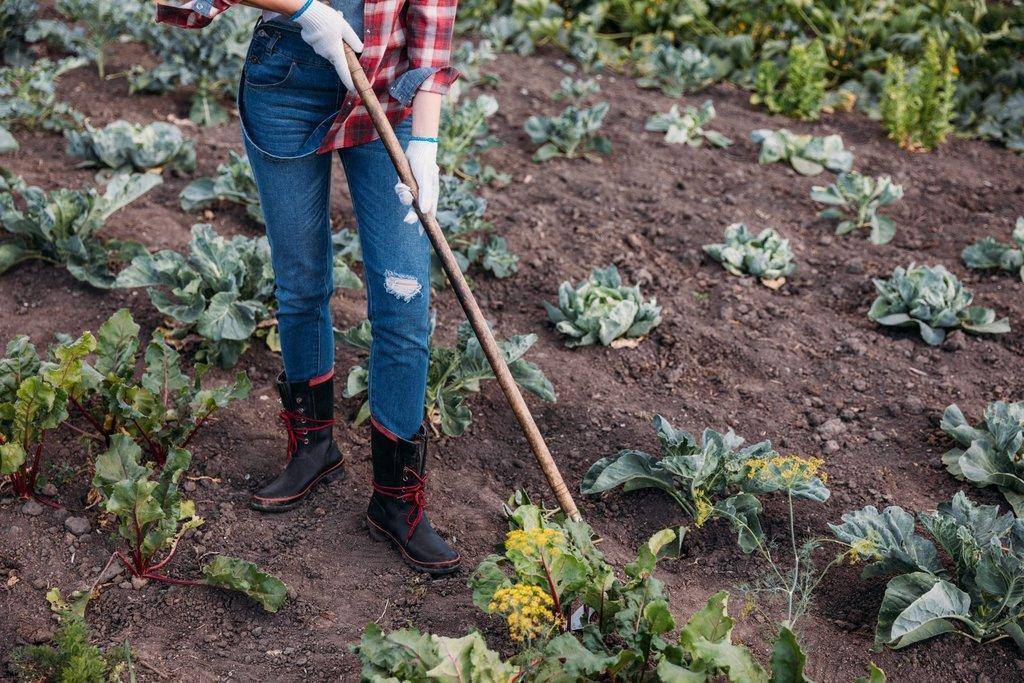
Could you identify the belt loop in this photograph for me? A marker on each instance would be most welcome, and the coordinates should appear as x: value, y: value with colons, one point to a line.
x: 275, y: 36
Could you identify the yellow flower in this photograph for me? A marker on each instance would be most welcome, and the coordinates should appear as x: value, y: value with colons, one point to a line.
x: 863, y: 549
x: 532, y: 542
x: 704, y: 510
x: 528, y: 610
x: 788, y: 470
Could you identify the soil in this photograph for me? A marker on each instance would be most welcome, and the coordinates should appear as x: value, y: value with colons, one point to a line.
x: 729, y: 354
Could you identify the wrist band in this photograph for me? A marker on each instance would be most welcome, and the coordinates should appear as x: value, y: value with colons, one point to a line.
x: 298, y: 12
x: 421, y: 138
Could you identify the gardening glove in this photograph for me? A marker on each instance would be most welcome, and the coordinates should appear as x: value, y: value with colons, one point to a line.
x: 325, y: 29
x: 422, y: 155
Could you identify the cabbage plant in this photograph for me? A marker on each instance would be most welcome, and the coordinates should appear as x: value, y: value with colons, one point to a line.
x: 62, y: 226
x: 978, y: 596
x: 465, y: 134
x: 807, y: 154
x: 990, y: 254
x: 991, y: 454
x: 461, y: 215
x: 675, y: 70
x: 571, y: 134
x: 233, y: 183
x: 933, y: 300
x: 765, y: 255
x: 855, y: 199
x: 687, y: 127
x: 124, y: 146
x: 28, y: 99
x: 603, y: 310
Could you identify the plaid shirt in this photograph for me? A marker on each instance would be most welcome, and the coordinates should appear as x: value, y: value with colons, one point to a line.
x: 399, y: 36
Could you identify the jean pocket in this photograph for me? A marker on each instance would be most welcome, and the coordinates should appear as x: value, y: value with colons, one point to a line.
x: 270, y: 70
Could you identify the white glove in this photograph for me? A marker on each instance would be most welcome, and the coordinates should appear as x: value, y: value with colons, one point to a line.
x: 422, y: 155
x: 324, y: 29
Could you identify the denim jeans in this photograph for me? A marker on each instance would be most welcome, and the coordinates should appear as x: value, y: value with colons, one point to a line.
x: 287, y: 100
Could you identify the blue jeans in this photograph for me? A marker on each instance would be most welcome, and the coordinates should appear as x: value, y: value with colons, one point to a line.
x: 287, y: 101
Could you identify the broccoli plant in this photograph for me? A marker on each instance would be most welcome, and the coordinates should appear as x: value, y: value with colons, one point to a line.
x: 688, y: 127
x: 676, y: 70
x: 124, y: 146
x: 807, y: 154
x: 916, y: 108
x: 30, y: 407
x: 855, y: 199
x: 575, y: 90
x: 460, y: 213
x: 28, y: 99
x: 163, y: 409
x: 453, y: 374
x: 991, y: 454
x: 933, y: 300
x: 571, y: 134
x: 465, y: 134
x: 765, y: 255
x: 105, y: 22
x: 803, y: 94
x: 152, y: 518
x: 989, y: 253
x: 602, y: 309
x: 233, y: 183
x: 61, y: 226
x: 978, y: 597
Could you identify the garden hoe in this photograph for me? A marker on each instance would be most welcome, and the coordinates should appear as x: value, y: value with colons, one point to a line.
x: 464, y: 294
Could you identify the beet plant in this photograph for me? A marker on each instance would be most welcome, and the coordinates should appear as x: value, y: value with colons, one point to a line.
x: 152, y: 518
x: 603, y: 310
x: 766, y: 255
x: 991, y: 454
x: 855, y: 199
x: 933, y: 300
x: 233, y: 184
x: 124, y: 146
x: 975, y: 593
x: 571, y: 134
x: 991, y: 254
x: 453, y: 374
x: 675, y: 70
x: 688, y: 127
x: 807, y: 154
x: 163, y: 409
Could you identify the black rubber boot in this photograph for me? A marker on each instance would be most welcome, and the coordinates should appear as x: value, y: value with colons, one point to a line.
x: 396, y: 513
x: 313, y: 457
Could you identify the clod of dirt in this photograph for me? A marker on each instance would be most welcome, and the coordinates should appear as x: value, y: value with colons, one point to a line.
x: 77, y: 525
x: 32, y: 508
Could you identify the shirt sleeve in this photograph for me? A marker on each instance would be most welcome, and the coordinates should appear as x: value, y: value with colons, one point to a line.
x: 431, y: 24
x: 199, y: 15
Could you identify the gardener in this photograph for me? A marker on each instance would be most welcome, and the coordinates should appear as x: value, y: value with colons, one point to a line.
x: 297, y: 103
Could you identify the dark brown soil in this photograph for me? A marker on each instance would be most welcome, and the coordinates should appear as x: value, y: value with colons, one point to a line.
x: 730, y: 353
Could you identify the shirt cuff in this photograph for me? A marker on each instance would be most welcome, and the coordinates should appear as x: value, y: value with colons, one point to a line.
x: 430, y: 78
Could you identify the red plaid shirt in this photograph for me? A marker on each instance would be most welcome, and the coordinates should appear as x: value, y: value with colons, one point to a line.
x: 398, y: 35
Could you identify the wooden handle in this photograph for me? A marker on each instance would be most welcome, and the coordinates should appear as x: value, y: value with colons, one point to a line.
x: 463, y: 293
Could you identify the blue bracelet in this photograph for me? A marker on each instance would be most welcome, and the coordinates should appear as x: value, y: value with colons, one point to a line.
x: 298, y: 12
x: 420, y: 138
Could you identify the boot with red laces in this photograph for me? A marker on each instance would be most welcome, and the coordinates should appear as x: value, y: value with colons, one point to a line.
x: 397, y: 508
x: 313, y: 457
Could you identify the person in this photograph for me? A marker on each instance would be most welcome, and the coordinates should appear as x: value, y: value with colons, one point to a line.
x: 297, y: 104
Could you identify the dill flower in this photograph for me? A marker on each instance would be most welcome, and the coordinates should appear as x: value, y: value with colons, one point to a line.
x: 786, y: 471
x: 863, y: 549
x: 704, y: 510
x: 528, y: 610
x: 533, y: 542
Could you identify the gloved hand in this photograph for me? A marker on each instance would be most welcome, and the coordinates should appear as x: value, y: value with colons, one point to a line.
x: 324, y: 29
x: 422, y: 155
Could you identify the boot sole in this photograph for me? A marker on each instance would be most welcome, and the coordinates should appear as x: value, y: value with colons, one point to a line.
x: 336, y: 471
x: 378, y: 533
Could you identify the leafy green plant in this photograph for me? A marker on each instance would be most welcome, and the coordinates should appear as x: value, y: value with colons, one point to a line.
x: 675, y: 70
x: 807, y: 154
x: 162, y: 409
x: 208, y: 60
x: 61, y: 226
x: 855, y: 199
x: 124, y: 146
x: 688, y: 127
x: 602, y: 309
x: 460, y: 213
x: 979, y: 598
x: 70, y: 657
x: 452, y: 375
x: 470, y: 60
x: 571, y: 134
x: 29, y: 408
x: 15, y: 22
x: 233, y: 183
x: 803, y: 94
x: 575, y: 89
x: 916, y: 107
x: 1000, y: 118
x: 465, y: 134
x: 989, y: 253
x: 28, y: 99
x: 152, y: 519
x: 991, y: 454
x: 934, y: 300
x: 765, y: 255
x: 105, y: 22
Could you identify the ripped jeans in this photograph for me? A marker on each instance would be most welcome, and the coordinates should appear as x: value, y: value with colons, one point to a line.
x: 287, y: 100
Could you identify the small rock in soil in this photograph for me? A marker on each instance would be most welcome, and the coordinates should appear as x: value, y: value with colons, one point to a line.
x: 955, y: 341
x: 831, y: 446
x: 32, y: 508
x: 77, y: 525
x: 831, y: 427
x: 138, y: 583
x: 113, y: 570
